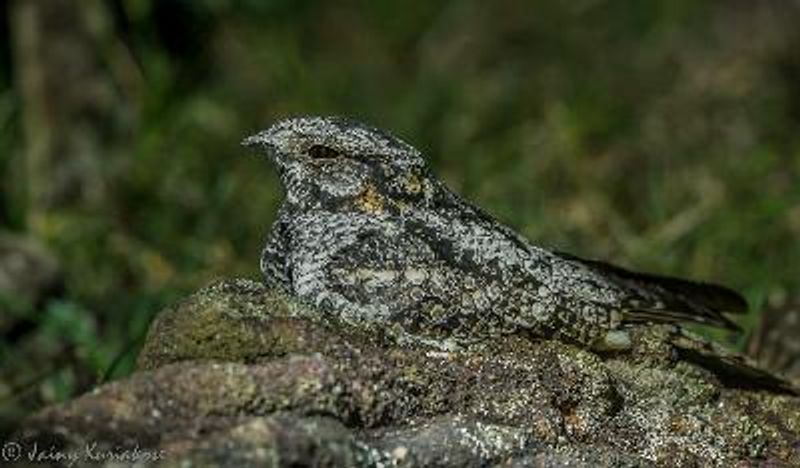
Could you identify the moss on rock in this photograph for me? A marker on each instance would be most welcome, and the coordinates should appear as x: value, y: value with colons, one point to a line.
x: 238, y: 375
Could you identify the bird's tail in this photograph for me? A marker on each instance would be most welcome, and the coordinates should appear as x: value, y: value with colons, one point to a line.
x: 733, y: 369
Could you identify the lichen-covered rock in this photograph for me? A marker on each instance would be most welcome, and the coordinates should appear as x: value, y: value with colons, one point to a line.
x: 237, y: 375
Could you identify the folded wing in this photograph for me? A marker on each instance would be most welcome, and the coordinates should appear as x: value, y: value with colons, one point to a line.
x: 663, y: 299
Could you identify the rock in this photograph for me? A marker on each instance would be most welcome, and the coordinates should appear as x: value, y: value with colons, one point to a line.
x: 238, y: 375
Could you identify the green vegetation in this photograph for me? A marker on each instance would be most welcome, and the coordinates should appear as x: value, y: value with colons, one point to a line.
x: 661, y: 135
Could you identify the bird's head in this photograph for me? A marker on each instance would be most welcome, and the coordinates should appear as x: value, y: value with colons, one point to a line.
x: 334, y: 161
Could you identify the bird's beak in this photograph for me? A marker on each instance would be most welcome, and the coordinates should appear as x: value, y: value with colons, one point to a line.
x: 258, y: 140
x: 262, y: 142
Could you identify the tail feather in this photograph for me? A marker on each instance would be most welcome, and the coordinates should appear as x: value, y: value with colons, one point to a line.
x: 732, y: 369
x: 664, y: 299
x: 668, y: 315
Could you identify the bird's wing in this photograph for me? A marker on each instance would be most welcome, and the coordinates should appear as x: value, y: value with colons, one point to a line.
x: 645, y: 297
x: 663, y: 299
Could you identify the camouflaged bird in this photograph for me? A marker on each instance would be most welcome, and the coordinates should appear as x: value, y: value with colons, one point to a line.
x: 368, y: 233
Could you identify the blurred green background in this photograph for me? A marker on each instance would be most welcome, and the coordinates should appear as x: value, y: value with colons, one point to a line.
x: 661, y: 135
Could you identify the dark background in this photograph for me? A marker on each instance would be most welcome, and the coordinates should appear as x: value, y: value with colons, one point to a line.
x: 661, y: 135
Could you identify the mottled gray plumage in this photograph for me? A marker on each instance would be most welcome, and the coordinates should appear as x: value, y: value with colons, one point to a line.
x: 367, y: 232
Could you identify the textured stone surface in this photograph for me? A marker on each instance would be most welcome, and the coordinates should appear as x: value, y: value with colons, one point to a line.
x: 237, y: 375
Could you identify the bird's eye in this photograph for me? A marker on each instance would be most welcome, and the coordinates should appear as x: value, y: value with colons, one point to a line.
x: 323, y: 152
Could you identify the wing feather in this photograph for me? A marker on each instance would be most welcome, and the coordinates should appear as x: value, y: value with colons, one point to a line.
x: 664, y: 299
